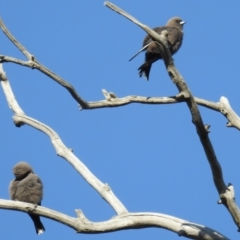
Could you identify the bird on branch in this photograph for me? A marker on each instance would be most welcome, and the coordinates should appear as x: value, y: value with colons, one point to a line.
x: 174, y: 27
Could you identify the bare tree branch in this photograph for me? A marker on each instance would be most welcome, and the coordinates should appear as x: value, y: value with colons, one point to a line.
x: 14, y: 41
x: 223, y: 106
x: 224, y: 192
x: 228, y: 112
x: 126, y: 221
x: 33, y: 63
x: 20, y: 119
x: 81, y: 224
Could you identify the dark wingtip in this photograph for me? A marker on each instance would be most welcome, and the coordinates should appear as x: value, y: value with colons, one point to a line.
x: 142, y: 49
x: 131, y: 58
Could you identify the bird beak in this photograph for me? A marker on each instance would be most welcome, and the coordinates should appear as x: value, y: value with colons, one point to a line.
x: 182, y: 23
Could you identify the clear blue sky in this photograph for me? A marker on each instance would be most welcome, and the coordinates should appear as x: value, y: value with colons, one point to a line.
x: 150, y: 155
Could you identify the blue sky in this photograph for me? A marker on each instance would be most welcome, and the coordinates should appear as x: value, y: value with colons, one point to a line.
x: 150, y: 155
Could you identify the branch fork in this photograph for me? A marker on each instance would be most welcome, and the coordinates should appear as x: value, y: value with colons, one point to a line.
x: 124, y: 219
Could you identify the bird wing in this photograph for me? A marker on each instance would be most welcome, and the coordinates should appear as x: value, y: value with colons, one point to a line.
x: 174, y: 39
x: 175, y: 36
x: 30, y: 189
x: 141, y: 50
x: 13, y: 188
x: 147, y: 41
x: 158, y: 30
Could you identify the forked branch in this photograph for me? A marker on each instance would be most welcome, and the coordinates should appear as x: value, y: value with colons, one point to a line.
x: 81, y: 224
x: 225, y: 194
x: 233, y: 119
x: 34, y: 64
x: 20, y: 118
x: 126, y: 221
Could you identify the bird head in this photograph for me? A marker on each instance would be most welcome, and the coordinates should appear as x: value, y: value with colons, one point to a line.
x: 176, y: 22
x: 21, y: 170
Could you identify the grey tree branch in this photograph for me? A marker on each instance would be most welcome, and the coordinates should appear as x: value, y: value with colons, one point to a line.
x: 20, y: 119
x: 223, y: 106
x: 126, y: 221
x: 14, y: 41
x: 34, y: 64
x: 81, y: 224
x: 225, y: 194
x: 233, y: 119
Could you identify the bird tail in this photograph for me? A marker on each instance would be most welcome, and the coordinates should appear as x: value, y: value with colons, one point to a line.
x: 144, y: 70
x: 37, y: 223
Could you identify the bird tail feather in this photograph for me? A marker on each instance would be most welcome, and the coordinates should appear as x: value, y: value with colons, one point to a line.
x: 144, y: 70
x: 37, y: 223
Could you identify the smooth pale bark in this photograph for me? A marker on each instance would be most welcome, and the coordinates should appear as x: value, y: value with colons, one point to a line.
x: 124, y: 219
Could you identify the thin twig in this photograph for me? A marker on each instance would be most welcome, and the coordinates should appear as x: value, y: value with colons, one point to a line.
x: 34, y: 64
x: 14, y: 40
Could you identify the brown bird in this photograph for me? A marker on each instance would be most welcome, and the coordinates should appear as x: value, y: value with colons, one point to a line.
x: 174, y: 27
x: 27, y: 187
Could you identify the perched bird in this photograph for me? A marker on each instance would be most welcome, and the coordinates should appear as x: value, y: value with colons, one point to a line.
x: 174, y: 27
x: 27, y: 187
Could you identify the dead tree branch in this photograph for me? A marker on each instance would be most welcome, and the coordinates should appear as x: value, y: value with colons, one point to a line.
x: 20, y: 119
x: 223, y: 106
x: 225, y: 193
x: 112, y: 101
x: 81, y: 224
x: 126, y: 221
x: 34, y: 64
